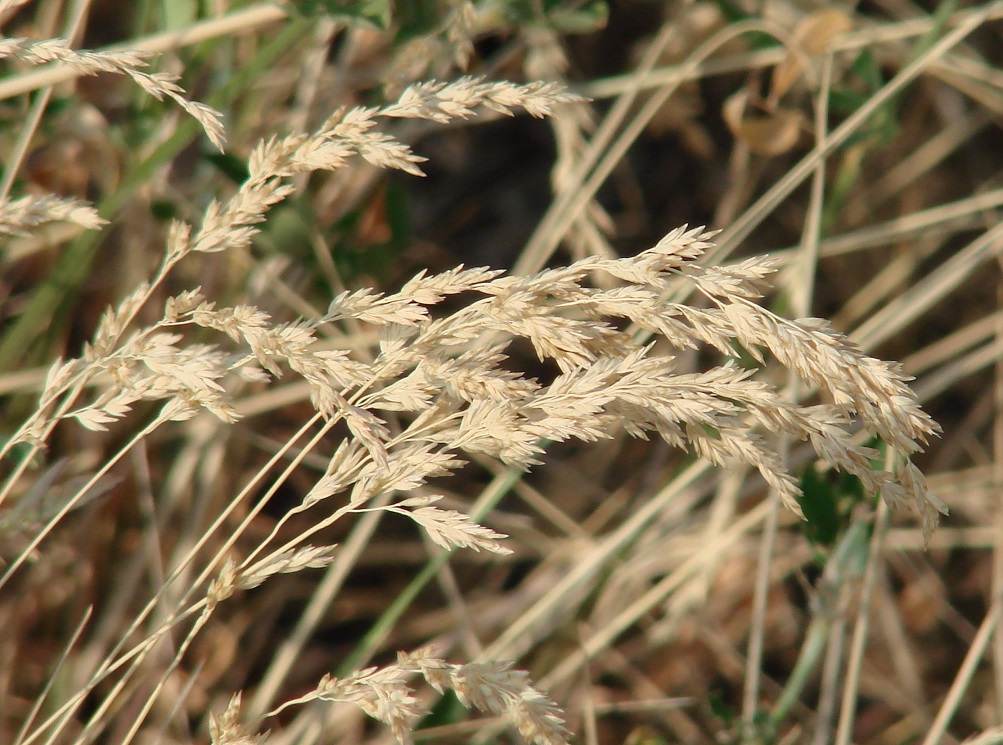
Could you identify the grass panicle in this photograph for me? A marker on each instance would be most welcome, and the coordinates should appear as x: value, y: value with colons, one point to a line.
x: 221, y: 456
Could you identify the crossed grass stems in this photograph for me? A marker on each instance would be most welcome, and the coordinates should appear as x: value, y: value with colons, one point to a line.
x: 610, y: 326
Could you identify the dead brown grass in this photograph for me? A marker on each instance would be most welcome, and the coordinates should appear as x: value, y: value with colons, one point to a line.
x: 228, y: 516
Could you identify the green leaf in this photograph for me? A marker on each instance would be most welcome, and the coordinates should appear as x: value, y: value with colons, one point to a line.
x: 163, y: 209
x: 229, y: 165
x: 398, y: 212
x: 356, y: 254
x: 844, y: 101
x: 733, y: 12
x: 287, y: 231
x: 866, y: 68
x: 819, y: 502
x: 447, y: 710
x: 583, y: 19
x: 377, y: 12
x: 828, y: 501
x: 722, y: 711
x: 417, y: 18
x: 180, y: 13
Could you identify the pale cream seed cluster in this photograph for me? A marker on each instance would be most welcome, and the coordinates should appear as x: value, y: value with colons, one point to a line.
x: 447, y: 376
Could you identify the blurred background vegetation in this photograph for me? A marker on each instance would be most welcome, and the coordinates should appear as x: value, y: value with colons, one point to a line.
x: 860, y: 140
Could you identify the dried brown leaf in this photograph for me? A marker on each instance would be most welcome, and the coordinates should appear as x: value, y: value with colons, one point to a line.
x: 766, y: 134
x: 812, y: 36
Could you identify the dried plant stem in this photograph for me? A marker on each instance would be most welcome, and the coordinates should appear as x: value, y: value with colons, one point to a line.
x: 139, y: 717
x: 962, y: 680
x: 134, y: 656
x: 291, y: 649
x: 829, y: 685
x: 761, y: 590
x: 31, y: 120
x: 62, y: 661
x: 850, y: 41
x: 488, y: 499
x: 802, y: 291
x: 512, y: 641
x: 43, y: 533
x: 929, y: 290
x: 858, y: 644
x: 605, y: 152
x: 742, y: 526
x: 403, y: 390
x: 943, y: 218
x: 997, y: 469
x: 75, y: 262
x: 738, y: 231
x: 240, y: 21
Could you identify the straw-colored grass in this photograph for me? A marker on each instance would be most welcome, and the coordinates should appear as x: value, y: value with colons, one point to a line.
x: 264, y: 473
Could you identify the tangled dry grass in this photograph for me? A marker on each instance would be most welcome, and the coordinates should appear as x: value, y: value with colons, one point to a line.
x: 155, y: 523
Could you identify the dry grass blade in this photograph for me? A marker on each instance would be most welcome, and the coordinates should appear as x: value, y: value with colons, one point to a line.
x: 320, y: 353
